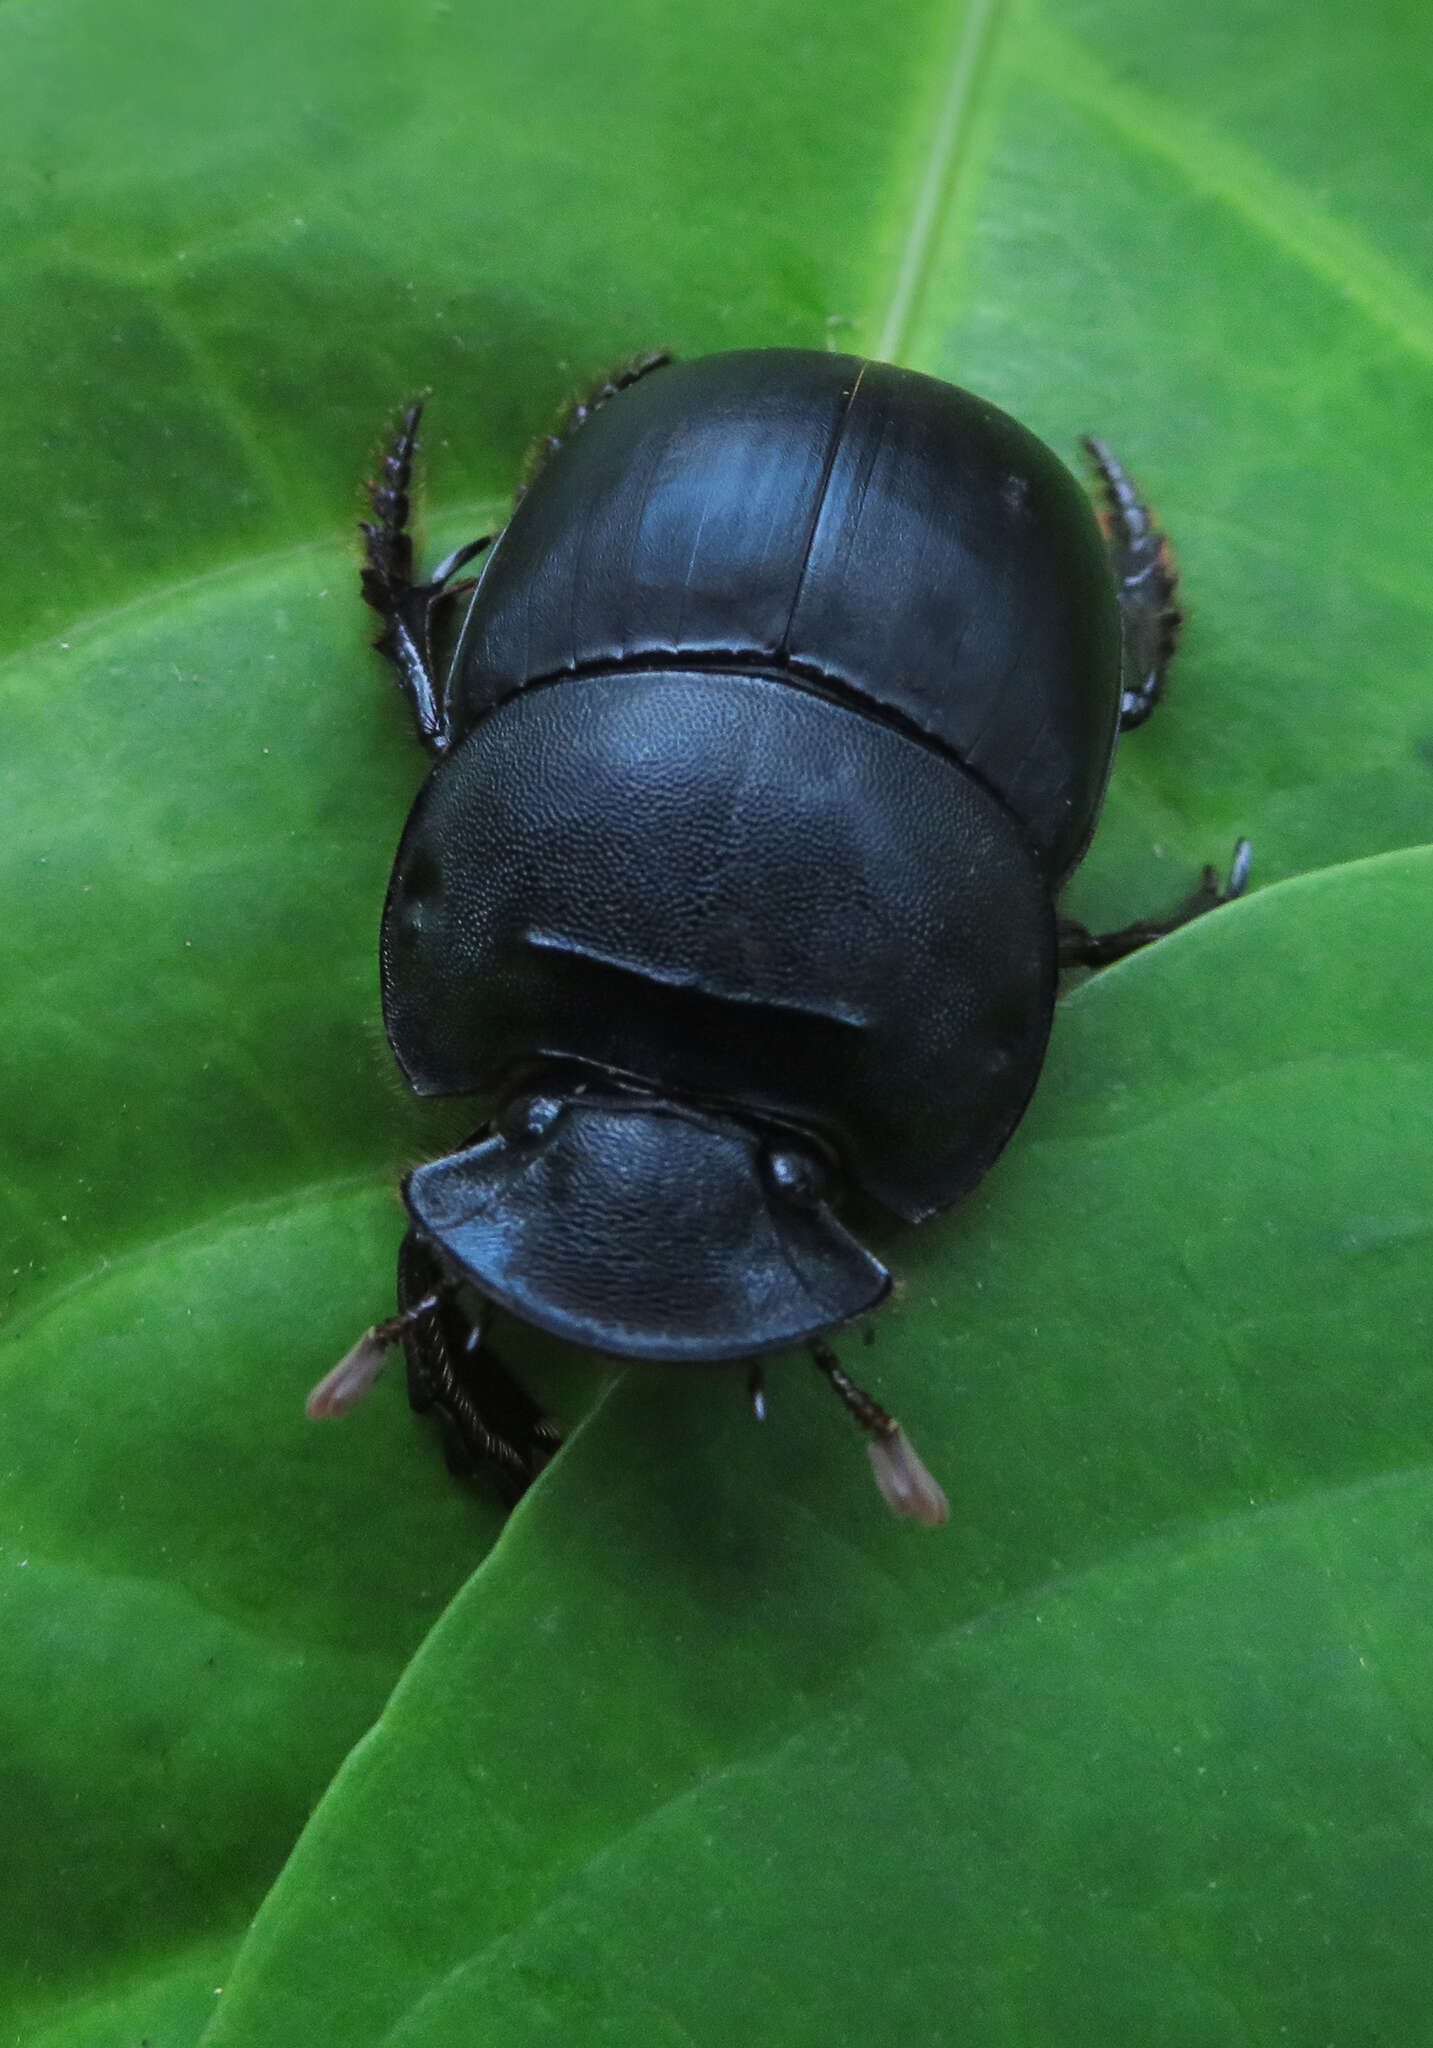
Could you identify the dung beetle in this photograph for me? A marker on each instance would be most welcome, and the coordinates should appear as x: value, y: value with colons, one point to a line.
x: 778, y: 716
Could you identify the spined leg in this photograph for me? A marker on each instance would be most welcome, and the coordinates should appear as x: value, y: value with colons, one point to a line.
x: 582, y: 409
x: 405, y: 607
x: 1080, y: 947
x: 1146, y: 581
x: 489, y: 1426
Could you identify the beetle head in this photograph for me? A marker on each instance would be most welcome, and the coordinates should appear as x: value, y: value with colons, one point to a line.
x: 645, y: 1228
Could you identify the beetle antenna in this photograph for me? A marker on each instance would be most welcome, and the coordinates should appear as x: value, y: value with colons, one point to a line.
x: 345, y: 1386
x: 906, y: 1487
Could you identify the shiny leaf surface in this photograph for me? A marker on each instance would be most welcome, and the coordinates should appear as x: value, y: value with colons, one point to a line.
x: 1133, y: 1748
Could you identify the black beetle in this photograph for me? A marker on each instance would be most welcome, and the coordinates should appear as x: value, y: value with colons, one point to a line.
x: 781, y: 711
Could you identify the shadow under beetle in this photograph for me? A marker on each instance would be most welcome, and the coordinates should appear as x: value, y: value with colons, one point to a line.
x: 779, y: 714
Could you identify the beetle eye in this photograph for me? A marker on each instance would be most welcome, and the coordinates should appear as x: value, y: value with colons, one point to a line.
x: 796, y: 1177
x: 524, y: 1120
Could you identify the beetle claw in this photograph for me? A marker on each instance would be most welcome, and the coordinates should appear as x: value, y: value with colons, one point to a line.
x: 1239, y: 868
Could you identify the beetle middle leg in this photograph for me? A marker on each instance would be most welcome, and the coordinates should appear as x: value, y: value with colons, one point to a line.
x: 1146, y: 582
x: 406, y: 607
x: 1080, y: 947
x: 489, y: 1426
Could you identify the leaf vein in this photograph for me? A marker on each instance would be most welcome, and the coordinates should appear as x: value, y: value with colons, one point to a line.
x: 1269, y: 203
x: 943, y: 159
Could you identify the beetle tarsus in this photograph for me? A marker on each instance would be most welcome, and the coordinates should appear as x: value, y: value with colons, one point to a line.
x: 489, y: 1426
x: 1146, y: 581
x: 407, y: 608
x: 1080, y: 947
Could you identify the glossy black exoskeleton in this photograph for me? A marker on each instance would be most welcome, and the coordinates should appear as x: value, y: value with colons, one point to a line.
x: 781, y: 711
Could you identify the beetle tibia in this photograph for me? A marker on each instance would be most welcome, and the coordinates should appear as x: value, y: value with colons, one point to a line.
x: 345, y: 1386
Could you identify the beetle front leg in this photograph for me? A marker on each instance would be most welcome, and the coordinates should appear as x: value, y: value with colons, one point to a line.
x: 489, y: 1426
x: 406, y: 607
x: 1146, y: 582
x: 1080, y: 947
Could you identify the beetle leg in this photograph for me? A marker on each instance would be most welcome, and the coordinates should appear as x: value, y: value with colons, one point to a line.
x: 405, y: 607
x: 1080, y: 947
x: 581, y: 410
x: 1146, y: 581
x: 489, y: 1426
x: 905, y: 1485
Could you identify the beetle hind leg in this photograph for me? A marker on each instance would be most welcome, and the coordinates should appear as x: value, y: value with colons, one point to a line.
x: 407, y: 608
x: 489, y: 1426
x: 577, y: 413
x: 1146, y: 582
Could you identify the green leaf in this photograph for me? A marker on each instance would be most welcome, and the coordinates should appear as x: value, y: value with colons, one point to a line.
x: 727, y: 1750
x: 706, y: 1744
